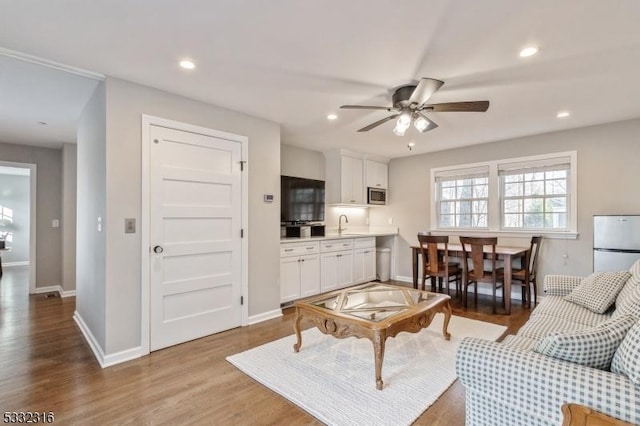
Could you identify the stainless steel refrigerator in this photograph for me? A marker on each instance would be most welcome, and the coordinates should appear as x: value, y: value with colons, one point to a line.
x: 616, y: 242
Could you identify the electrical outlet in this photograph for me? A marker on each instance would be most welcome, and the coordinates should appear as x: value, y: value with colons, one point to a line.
x: 55, y: 223
x: 129, y: 225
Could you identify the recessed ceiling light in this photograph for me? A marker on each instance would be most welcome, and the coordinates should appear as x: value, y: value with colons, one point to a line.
x: 332, y: 117
x: 188, y: 65
x: 528, y: 51
x: 562, y: 114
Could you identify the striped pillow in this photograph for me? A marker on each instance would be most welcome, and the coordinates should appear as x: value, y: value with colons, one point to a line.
x: 593, y: 347
x: 598, y: 291
x: 625, y: 360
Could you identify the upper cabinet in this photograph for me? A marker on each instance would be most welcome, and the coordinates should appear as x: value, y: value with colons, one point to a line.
x: 377, y: 174
x: 344, y: 179
x: 348, y: 174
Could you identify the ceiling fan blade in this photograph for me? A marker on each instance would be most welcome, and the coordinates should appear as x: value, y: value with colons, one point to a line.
x: 423, y: 91
x: 377, y: 123
x: 476, y: 106
x: 432, y: 124
x: 367, y: 107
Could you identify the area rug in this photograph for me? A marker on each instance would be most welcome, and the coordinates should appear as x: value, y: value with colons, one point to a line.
x: 334, y: 379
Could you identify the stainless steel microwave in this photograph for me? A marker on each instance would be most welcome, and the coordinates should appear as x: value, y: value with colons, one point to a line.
x: 377, y: 196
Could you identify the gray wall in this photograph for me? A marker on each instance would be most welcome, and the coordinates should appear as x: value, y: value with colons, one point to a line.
x: 608, y: 176
x: 126, y: 102
x: 69, y: 173
x: 91, y: 204
x: 48, y: 207
x: 15, y: 194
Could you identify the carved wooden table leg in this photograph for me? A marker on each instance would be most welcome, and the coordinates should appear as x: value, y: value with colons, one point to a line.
x: 446, y: 310
x: 378, y: 341
x: 296, y: 328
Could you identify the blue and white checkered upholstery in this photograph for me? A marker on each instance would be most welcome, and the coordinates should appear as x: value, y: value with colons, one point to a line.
x: 507, y: 383
x: 513, y: 387
x: 593, y: 347
x: 625, y: 361
x: 598, y: 291
x: 560, y: 285
x: 556, y: 306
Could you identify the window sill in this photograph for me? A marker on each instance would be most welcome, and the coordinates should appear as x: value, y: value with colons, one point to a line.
x: 565, y: 235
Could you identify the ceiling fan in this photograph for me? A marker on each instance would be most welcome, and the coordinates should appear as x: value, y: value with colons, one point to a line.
x: 410, y: 104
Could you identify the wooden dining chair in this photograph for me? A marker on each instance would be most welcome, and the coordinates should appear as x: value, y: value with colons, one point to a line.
x: 473, y: 249
x: 527, y: 275
x: 438, y: 266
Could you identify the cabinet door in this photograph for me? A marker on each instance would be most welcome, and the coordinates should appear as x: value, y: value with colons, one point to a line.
x: 345, y: 268
x: 352, y: 185
x: 369, y: 264
x: 309, y: 275
x: 328, y: 272
x: 358, y: 266
x: 289, y: 279
x: 377, y: 174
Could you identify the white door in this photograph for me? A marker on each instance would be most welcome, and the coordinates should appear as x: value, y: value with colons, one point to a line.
x: 289, y: 279
x: 309, y: 275
x: 195, y: 224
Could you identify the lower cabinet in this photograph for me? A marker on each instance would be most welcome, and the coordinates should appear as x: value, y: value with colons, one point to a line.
x: 364, y: 265
x: 299, y: 273
x: 336, y: 270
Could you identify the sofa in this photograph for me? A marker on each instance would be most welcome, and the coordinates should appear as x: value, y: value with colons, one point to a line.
x: 514, y: 382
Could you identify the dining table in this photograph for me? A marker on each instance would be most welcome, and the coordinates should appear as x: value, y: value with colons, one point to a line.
x: 505, y: 253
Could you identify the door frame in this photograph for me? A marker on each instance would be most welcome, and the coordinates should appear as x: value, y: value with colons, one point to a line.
x: 33, y: 196
x: 145, y: 311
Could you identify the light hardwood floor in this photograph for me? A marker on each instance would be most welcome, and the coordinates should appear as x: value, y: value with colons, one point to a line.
x: 45, y: 365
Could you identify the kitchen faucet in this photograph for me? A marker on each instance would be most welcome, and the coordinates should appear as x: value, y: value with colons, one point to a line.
x: 346, y: 220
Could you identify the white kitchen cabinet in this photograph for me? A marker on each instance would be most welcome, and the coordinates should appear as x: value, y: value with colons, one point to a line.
x: 364, y: 260
x: 344, y: 179
x: 377, y: 174
x: 336, y: 270
x: 299, y: 271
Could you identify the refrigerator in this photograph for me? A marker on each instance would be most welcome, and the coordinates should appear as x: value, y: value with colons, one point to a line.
x: 616, y: 242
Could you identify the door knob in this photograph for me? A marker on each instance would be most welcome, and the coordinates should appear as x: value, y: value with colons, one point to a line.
x: 158, y: 249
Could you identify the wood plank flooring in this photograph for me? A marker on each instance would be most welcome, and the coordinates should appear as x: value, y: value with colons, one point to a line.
x: 45, y: 365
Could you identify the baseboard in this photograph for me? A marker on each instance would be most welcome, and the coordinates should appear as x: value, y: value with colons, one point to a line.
x: 10, y: 264
x: 91, y: 340
x: 516, y: 293
x: 254, y: 319
x: 105, y: 360
x: 55, y: 289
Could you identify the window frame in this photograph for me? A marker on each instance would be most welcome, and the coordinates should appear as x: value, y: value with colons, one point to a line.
x: 495, y: 203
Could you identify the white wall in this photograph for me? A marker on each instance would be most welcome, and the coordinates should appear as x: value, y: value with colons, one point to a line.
x: 68, y: 223
x: 608, y: 177
x: 91, y: 204
x: 126, y: 102
x: 48, y: 206
x: 15, y: 195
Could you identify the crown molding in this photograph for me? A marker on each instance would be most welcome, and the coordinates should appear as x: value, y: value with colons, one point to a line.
x: 51, y: 64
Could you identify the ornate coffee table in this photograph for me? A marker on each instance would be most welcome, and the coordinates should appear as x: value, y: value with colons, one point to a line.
x: 372, y: 310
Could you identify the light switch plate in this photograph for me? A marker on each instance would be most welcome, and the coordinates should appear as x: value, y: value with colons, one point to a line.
x: 55, y: 223
x: 129, y: 225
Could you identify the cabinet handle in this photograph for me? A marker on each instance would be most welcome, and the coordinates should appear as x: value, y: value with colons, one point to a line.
x: 288, y: 249
x: 328, y: 246
x: 367, y: 252
x: 353, y: 201
x: 302, y: 260
x: 310, y: 248
x: 377, y: 184
x: 345, y: 245
x: 338, y: 255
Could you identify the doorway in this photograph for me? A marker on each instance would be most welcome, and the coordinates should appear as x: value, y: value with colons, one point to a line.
x: 18, y: 217
x: 194, y: 247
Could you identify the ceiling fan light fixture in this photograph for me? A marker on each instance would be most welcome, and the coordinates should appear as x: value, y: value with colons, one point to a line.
x: 404, y: 120
x: 421, y: 124
x: 528, y: 51
x: 399, y: 130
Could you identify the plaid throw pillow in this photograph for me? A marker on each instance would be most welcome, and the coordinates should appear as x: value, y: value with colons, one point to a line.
x: 625, y: 360
x: 598, y: 291
x: 593, y: 347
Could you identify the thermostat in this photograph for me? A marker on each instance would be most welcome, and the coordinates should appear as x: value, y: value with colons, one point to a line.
x: 268, y: 198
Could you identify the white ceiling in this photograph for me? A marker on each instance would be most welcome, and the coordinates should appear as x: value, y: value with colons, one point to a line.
x: 293, y: 62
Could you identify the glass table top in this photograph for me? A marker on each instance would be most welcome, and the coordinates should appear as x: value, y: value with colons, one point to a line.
x: 374, y: 301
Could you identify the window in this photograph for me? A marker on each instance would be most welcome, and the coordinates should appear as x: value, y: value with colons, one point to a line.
x: 531, y: 194
x: 463, y: 197
x: 6, y: 223
x: 535, y: 195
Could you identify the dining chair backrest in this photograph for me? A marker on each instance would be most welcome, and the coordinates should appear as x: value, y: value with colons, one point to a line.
x: 473, y: 248
x: 429, y: 249
x: 532, y: 255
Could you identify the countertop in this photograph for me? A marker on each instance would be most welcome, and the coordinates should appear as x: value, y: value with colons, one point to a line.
x: 355, y: 233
